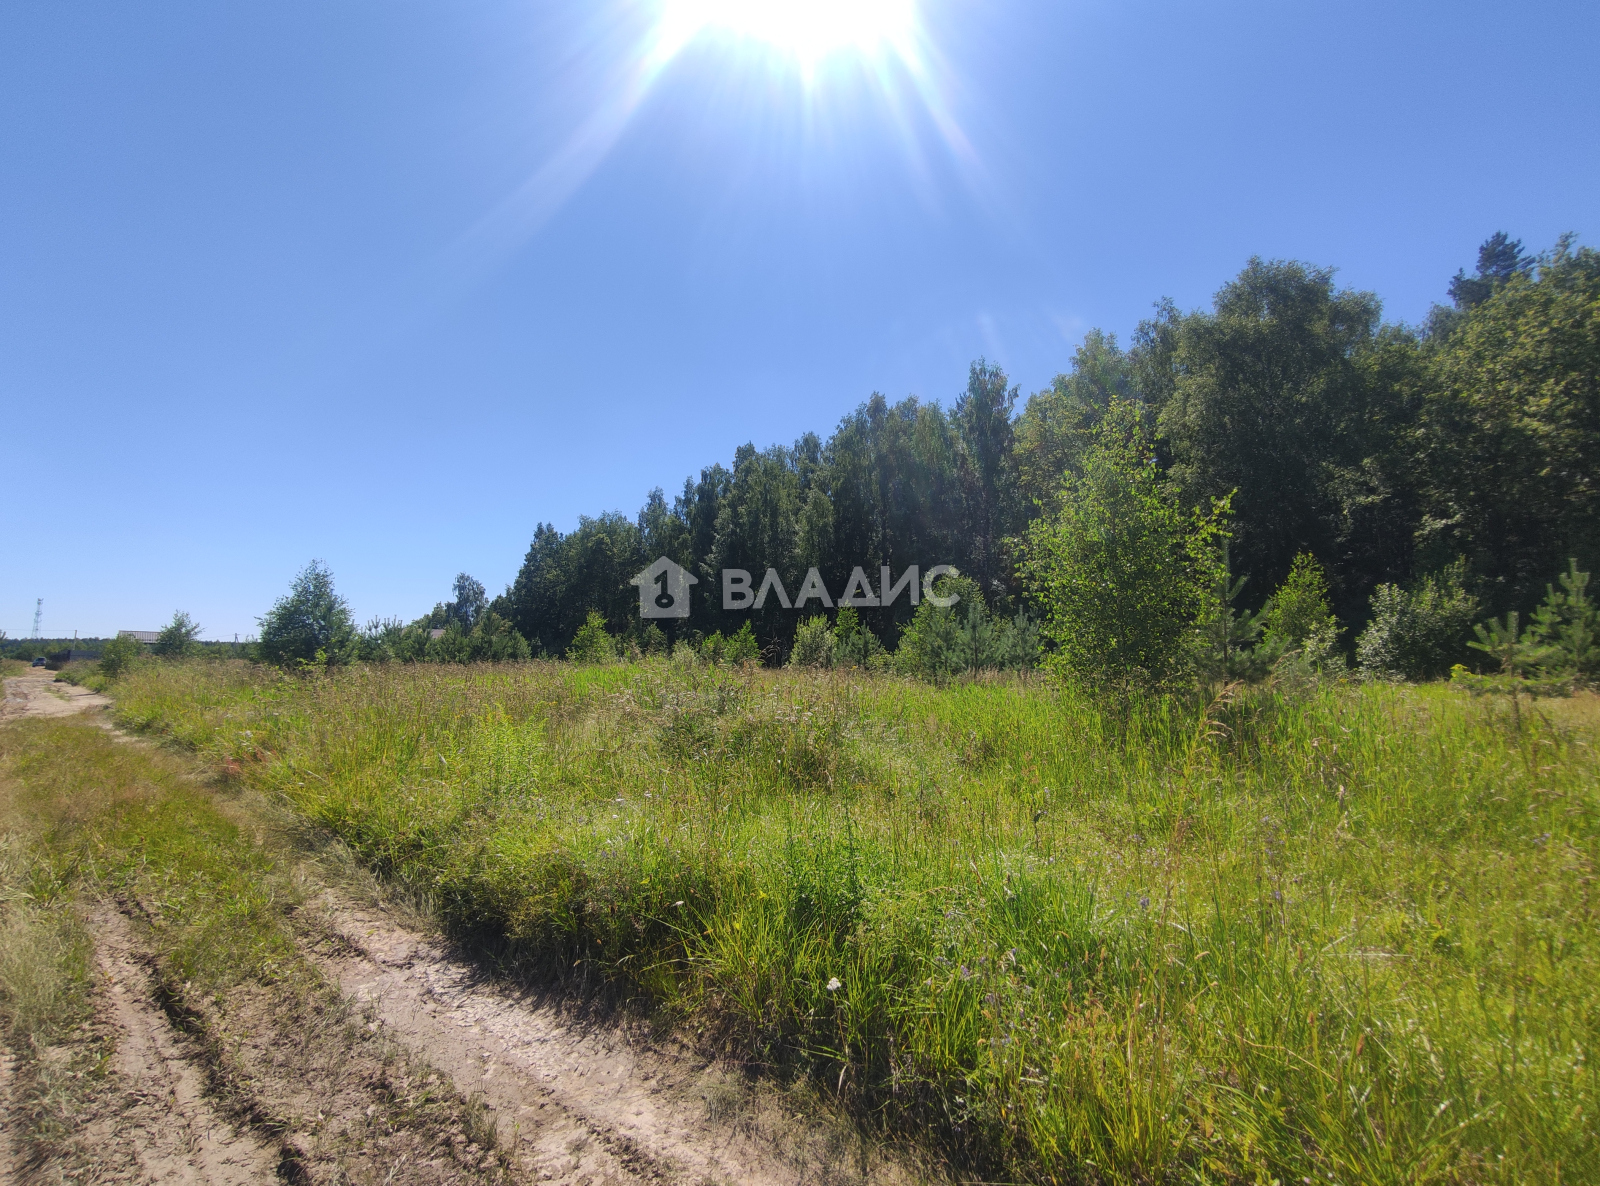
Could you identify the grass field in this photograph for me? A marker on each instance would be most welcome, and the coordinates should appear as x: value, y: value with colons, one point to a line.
x: 1338, y: 934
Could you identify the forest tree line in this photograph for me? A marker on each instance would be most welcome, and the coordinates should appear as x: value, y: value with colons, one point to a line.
x: 1389, y: 453
x: 1285, y: 476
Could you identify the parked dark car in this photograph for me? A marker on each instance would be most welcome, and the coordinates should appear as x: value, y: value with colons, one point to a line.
x: 38, y: 661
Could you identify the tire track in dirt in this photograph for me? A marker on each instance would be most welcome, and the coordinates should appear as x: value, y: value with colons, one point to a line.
x: 166, y: 1125
x: 574, y: 1103
x: 578, y: 1104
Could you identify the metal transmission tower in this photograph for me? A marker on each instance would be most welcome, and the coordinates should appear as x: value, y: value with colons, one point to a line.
x: 38, y: 612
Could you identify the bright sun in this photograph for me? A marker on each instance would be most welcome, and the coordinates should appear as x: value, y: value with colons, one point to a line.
x: 809, y: 29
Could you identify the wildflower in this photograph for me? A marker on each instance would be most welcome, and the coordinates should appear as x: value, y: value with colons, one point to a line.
x: 1144, y: 903
x: 679, y: 902
x: 834, y: 984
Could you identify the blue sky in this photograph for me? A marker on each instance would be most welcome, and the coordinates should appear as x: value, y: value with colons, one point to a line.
x: 388, y: 283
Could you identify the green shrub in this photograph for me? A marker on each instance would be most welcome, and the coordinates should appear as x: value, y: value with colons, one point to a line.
x: 1228, y: 637
x: 946, y: 640
x: 119, y: 654
x: 813, y: 644
x: 1567, y: 627
x: 1419, y: 633
x: 742, y: 646
x: 593, y: 644
x: 1298, y: 617
x: 1123, y: 572
x: 311, y: 625
x: 853, y: 644
x: 177, y: 637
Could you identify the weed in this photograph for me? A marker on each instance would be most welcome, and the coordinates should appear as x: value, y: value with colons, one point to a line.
x: 1338, y: 933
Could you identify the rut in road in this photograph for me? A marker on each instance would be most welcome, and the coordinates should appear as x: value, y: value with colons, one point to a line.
x: 166, y: 1129
x: 572, y: 1102
x: 579, y: 1103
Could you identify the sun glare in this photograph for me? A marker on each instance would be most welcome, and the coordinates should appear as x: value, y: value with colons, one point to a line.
x: 810, y: 30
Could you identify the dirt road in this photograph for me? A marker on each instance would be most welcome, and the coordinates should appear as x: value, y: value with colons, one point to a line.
x: 569, y: 1101
x: 582, y: 1103
x: 38, y: 694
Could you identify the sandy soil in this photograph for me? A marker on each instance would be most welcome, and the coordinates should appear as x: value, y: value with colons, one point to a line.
x: 166, y: 1127
x: 571, y: 1102
x: 37, y: 694
x: 581, y: 1103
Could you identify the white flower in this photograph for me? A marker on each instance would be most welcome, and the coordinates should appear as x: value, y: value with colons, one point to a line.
x: 834, y: 984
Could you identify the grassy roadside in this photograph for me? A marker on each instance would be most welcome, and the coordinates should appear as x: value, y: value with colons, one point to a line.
x: 82, y: 816
x: 1330, y: 933
x: 1337, y: 934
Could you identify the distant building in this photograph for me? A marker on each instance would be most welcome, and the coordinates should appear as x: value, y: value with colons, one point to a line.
x: 436, y: 633
x: 145, y: 636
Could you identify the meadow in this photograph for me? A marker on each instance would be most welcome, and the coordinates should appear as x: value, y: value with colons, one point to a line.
x: 1298, y: 933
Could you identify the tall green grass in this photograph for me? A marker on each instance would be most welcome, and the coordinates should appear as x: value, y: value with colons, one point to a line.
x: 1329, y: 935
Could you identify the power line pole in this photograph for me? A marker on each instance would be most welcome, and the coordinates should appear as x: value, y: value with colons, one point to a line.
x: 38, y: 612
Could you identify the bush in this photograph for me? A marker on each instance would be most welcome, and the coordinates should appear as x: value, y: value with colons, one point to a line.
x: 1566, y: 627
x: 742, y: 646
x: 592, y: 643
x: 118, y: 655
x: 1419, y: 633
x: 853, y: 644
x: 813, y: 644
x: 1122, y: 571
x: 1298, y: 617
x: 946, y: 640
x: 1230, y: 639
x: 311, y: 625
x: 177, y: 637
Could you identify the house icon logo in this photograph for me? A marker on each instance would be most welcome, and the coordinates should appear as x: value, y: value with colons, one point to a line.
x: 664, y: 590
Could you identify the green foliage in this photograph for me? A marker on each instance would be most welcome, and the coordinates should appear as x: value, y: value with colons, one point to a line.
x: 1567, y: 626
x: 947, y: 640
x: 1345, y: 935
x: 1420, y: 633
x: 1057, y: 425
x: 651, y: 640
x: 739, y: 647
x: 1510, y: 429
x: 1500, y: 259
x: 1298, y: 616
x: 1122, y: 571
x: 983, y: 421
x: 813, y: 644
x: 1516, y: 654
x: 742, y: 646
x: 118, y: 654
x: 470, y: 603
x: 177, y: 637
x: 592, y: 643
x: 1228, y: 647
x: 1290, y: 395
x: 853, y: 644
x: 1385, y: 452
x: 491, y: 640
x: 311, y: 625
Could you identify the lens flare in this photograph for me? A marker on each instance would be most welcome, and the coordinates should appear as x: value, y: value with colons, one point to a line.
x: 885, y: 39
x: 809, y: 30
